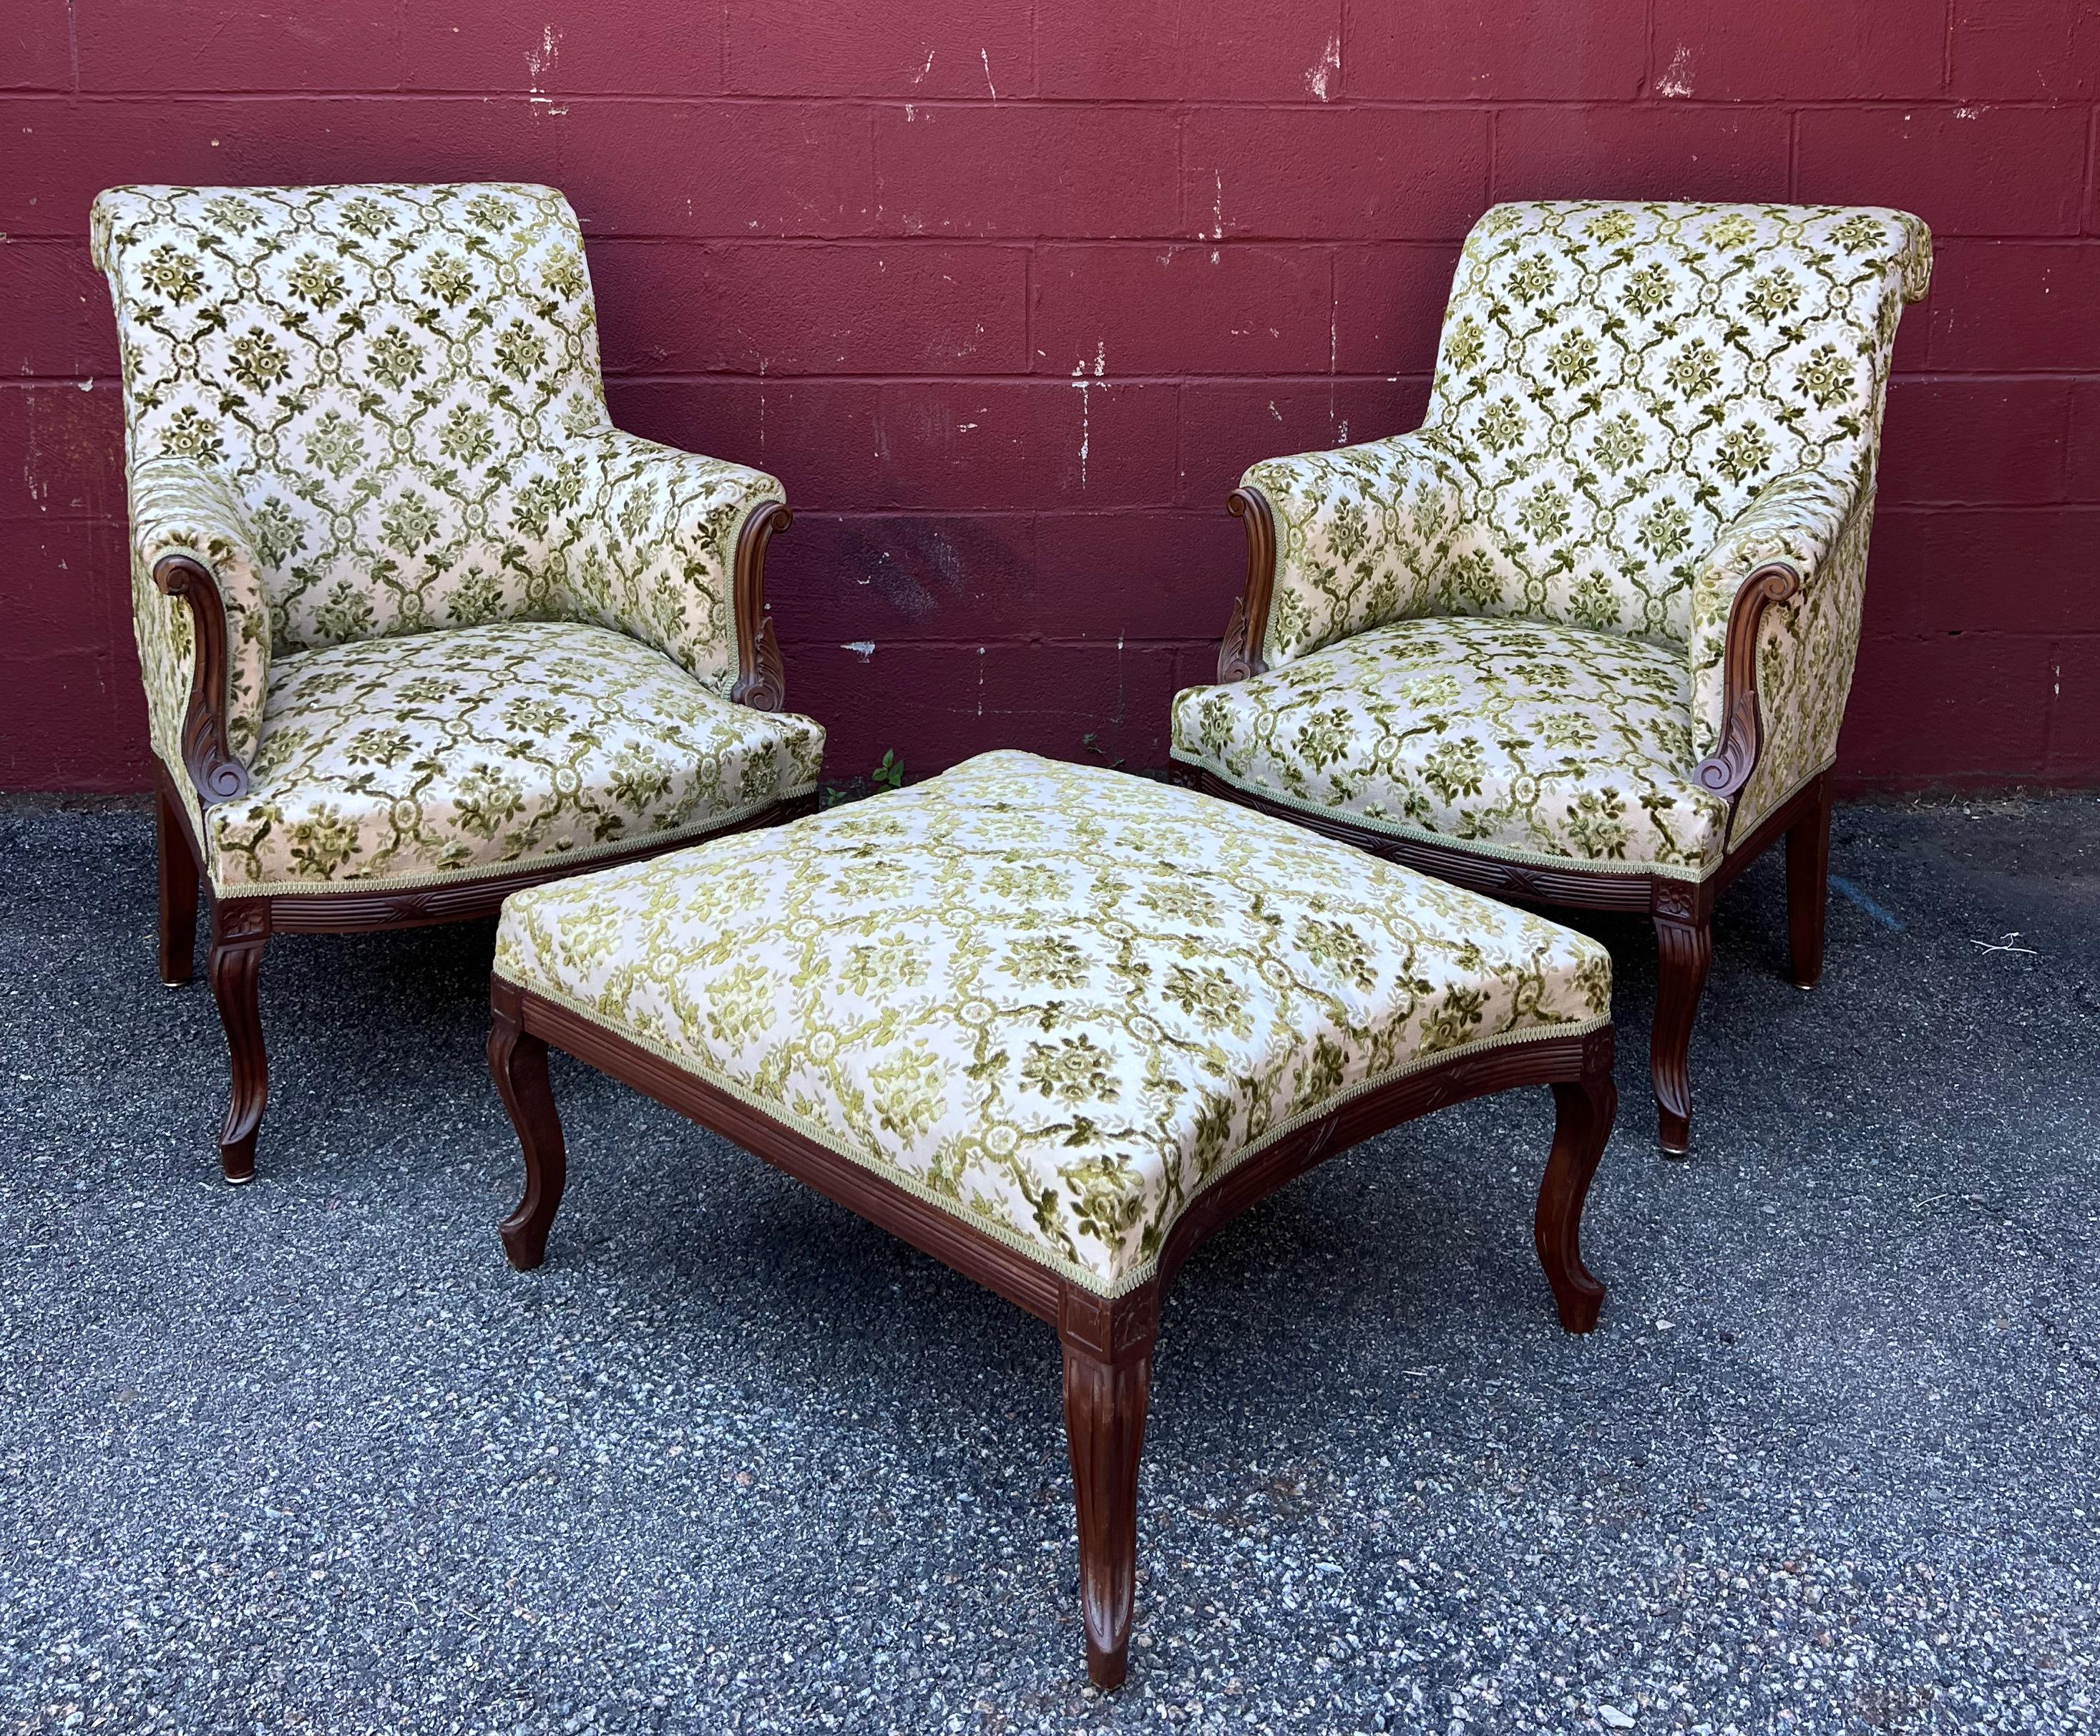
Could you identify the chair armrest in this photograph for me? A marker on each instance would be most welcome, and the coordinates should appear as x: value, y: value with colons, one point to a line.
x: 203, y: 621
x: 669, y: 547
x: 1778, y: 547
x: 1338, y: 541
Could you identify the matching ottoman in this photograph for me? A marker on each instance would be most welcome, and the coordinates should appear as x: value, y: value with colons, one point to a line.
x: 1053, y: 1025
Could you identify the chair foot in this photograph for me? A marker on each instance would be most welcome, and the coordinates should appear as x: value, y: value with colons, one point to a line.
x: 1808, y: 886
x: 1685, y: 949
x: 240, y: 934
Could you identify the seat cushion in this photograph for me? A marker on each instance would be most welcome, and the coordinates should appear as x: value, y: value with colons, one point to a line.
x: 407, y: 760
x: 1518, y: 739
x: 1056, y: 999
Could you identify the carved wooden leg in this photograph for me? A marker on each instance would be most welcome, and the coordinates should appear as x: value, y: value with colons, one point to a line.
x: 518, y: 1061
x: 179, y: 894
x: 1687, y: 950
x: 239, y: 932
x: 1808, y: 885
x: 1105, y: 1402
x: 1586, y: 1109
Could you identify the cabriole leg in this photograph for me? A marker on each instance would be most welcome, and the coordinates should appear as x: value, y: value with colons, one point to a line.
x: 178, y: 894
x: 1105, y: 1405
x: 239, y: 932
x: 1808, y: 885
x: 1108, y: 1384
x: 518, y: 1063
x: 1686, y: 949
x: 1586, y: 1109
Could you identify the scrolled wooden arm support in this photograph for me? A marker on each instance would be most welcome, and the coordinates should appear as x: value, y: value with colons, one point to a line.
x: 762, y: 678
x: 1727, y: 769
x: 207, y: 748
x: 1240, y: 656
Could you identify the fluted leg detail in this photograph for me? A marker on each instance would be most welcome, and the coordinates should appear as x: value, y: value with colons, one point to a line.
x: 240, y: 932
x: 1686, y: 954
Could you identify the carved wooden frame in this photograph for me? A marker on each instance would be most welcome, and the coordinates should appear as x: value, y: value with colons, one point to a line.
x: 242, y: 926
x: 1682, y: 910
x: 1107, y: 1341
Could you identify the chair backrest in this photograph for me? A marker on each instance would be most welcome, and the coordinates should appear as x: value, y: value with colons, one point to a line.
x: 1616, y: 381
x: 381, y: 373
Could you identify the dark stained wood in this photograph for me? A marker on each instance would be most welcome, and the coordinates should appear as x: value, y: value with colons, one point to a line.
x: 1520, y: 882
x: 1727, y: 769
x: 1104, y: 1404
x: 351, y: 912
x: 1585, y: 1109
x: 762, y: 678
x: 1685, y: 952
x: 346, y: 909
x: 177, y: 889
x: 1808, y: 885
x: 1107, y: 1341
x: 207, y: 749
x: 240, y: 933
x: 1240, y: 656
x: 519, y: 1063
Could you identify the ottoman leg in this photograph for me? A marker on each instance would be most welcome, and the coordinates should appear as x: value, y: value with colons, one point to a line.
x: 1105, y: 1403
x: 1808, y: 885
x: 1586, y: 1108
x: 518, y: 1061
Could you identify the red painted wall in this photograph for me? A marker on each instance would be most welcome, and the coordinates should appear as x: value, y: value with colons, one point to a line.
x: 1009, y: 296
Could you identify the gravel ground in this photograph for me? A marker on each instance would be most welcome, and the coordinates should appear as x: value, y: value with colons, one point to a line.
x: 308, y: 1456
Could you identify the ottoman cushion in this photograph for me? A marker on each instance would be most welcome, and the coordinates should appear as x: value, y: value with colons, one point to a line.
x: 1056, y: 999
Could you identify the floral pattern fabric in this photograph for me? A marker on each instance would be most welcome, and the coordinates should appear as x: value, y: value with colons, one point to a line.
x: 427, y: 757
x: 1522, y: 739
x: 1055, y: 999
x: 1618, y: 387
x: 393, y: 392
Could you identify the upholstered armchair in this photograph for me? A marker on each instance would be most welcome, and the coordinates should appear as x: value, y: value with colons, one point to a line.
x: 1585, y: 637
x: 418, y: 625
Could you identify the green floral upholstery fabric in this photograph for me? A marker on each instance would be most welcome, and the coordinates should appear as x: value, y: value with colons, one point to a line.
x: 1631, y: 402
x: 393, y: 392
x: 417, y: 758
x: 1055, y: 999
x: 1545, y: 743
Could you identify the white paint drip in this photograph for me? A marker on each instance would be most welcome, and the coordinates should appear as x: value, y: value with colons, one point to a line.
x: 540, y: 61
x: 1218, y: 208
x: 863, y: 649
x: 1677, y: 81
x: 1080, y: 380
x: 1321, y: 79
